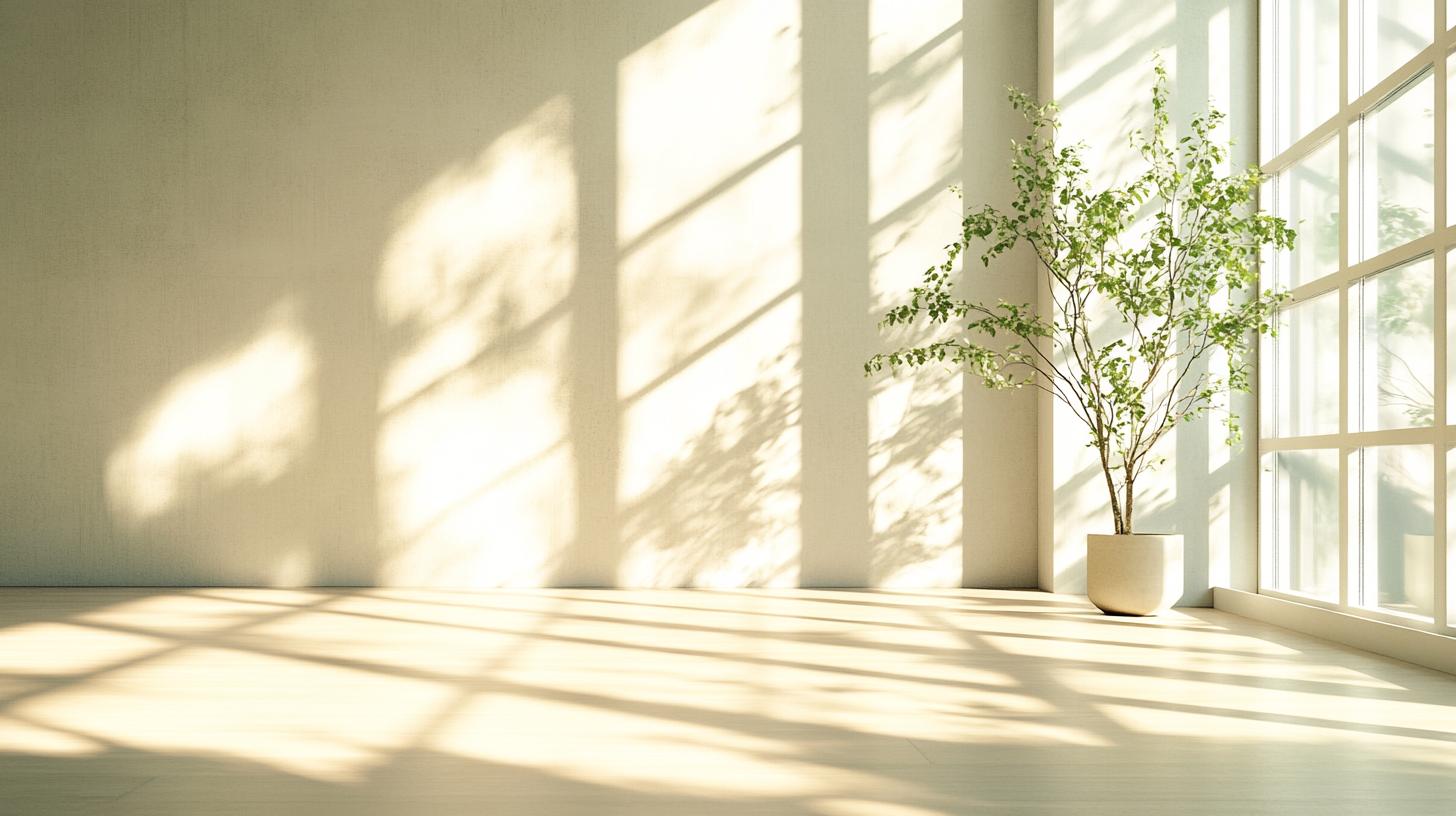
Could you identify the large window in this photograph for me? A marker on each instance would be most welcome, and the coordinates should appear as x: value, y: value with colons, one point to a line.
x: 1357, y: 417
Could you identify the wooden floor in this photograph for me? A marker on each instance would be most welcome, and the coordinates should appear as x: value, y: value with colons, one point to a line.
x: 696, y: 703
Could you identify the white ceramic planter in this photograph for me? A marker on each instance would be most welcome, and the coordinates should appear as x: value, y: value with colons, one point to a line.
x: 1134, y: 574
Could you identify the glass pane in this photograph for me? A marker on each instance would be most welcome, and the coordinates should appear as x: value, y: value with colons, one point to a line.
x: 1307, y: 195
x: 1450, y: 337
x: 1306, y: 67
x: 1397, y: 150
x: 1450, y: 539
x: 1302, y: 383
x: 1450, y: 136
x: 1389, y: 33
x: 1395, y: 355
x: 1302, y: 522
x: 1396, y: 560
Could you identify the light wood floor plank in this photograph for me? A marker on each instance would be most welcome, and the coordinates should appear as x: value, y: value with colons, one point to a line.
x: 823, y: 703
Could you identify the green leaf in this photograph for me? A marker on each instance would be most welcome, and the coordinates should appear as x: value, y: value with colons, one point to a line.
x: 1149, y: 279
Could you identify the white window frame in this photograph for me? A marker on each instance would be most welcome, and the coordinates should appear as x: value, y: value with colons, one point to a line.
x: 1345, y: 125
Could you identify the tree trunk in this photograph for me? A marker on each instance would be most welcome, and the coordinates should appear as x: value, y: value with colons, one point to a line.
x: 1119, y: 524
x: 1127, y: 507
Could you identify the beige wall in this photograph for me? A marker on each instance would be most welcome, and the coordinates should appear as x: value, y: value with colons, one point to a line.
x: 480, y: 294
x: 1097, y: 58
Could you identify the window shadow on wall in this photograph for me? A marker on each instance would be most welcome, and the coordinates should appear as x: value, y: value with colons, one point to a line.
x: 1206, y: 490
x: 485, y: 295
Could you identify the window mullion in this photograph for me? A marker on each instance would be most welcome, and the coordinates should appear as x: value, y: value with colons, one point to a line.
x: 1345, y: 491
x: 1440, y: 526
x: 1389, y: 287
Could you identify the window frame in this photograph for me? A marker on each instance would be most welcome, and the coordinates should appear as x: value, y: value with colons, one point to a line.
x: 1345, y: 126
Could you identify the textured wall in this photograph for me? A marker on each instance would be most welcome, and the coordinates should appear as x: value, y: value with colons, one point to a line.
x: 1097, y: 58
x: 480, y: 294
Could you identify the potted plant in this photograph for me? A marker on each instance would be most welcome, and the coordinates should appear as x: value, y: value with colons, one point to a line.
x: 1146, y: 280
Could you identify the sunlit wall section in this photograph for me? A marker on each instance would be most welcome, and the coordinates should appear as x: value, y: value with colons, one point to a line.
x: 915, y: 418
x: 237, y: 422
x: 1103, y: 86
x: 473, y: 466
x: 1099, y: 57
x: 709, y: 207
x: 245, y: 415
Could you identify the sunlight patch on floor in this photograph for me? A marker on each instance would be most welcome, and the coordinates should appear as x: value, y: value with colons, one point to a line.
x: 270, y: 711
x: 619, y: 747
x: 1265, y: 702
x: 18, y: 736
x: 179, y: 613
x: 845, y: 699
x: 64, y: 648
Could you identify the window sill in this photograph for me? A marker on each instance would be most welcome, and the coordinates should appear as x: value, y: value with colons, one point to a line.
x: 1400, y: 642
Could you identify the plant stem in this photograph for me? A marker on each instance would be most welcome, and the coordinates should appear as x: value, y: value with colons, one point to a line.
x: 1118, y: 525
x: 1127, y: 508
